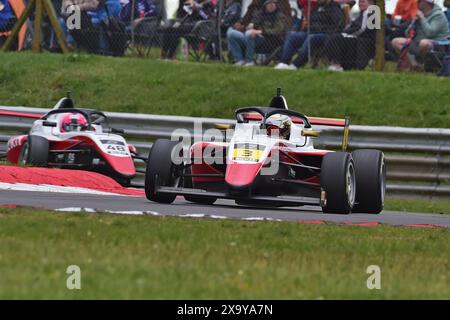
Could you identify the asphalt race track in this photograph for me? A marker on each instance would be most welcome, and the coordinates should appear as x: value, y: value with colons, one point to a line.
x: 221, y: 209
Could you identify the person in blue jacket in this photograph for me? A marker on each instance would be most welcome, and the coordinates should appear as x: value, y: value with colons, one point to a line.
x: 7, y: 16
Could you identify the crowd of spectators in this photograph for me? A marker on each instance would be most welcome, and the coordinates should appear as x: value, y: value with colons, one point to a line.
x: 429, y: 24
x: 324, y: 32
x: 264, y: 31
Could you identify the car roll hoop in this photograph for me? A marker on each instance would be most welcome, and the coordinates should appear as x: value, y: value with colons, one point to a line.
x: 87, y: 114
x: 289, y: 113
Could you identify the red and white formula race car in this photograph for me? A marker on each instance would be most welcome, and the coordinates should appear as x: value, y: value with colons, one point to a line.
x: 75, y: 138
x: 269, y: 161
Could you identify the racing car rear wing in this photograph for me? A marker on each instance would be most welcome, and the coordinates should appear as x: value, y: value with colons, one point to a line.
x: 29, y: 115
x: 329, y: 122
x: 332, y: 122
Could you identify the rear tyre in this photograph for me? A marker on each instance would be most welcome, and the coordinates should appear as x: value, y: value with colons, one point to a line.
x: 200, y: 200
x: 34, y: 151
x: 161, y: 170
x: 370, y: 172
x: 337, y: 179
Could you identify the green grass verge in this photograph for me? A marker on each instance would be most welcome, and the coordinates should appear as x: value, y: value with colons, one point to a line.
x: 215, y: 90
x: 417, y: 205
x: 165, y: 258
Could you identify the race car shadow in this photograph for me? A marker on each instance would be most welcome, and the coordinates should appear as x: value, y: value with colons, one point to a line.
x: 230, y: 204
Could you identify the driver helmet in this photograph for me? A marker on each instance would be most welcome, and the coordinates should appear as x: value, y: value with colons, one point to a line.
x: 280, y: 123
x: 73, y: 122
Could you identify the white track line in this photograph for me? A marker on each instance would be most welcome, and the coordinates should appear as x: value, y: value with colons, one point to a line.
x: 153, y: 213
x: 52, y: 188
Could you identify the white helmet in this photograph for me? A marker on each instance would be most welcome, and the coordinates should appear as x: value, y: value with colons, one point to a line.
x: 281, y: 124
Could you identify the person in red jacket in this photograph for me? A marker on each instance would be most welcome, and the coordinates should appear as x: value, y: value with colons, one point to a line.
x: 405, y: 11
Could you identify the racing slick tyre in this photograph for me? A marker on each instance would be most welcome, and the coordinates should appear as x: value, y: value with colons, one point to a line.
x: 370, y: 173
x: 200, y: 200
x: 161, y: 171
x: 337, y: 179
x: 34, y: 151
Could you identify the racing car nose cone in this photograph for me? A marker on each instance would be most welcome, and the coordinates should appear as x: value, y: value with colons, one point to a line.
x: 241, y: 174
x: 122, y: 165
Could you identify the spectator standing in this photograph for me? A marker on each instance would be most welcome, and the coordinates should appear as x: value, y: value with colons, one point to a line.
x: 266, y: 29
x: 326, y: 18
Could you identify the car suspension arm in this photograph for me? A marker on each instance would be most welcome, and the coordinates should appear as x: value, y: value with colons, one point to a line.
x: 71, y: 151
x: 204, y: 175
x: 297, y: 162
x: 311, y: 184
x: 139, y: 158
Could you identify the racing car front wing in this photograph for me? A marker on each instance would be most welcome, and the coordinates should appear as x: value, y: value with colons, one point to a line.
x: 282, y: 200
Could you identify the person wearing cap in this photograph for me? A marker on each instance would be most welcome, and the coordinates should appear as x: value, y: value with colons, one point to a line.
x: 430, y: 24
x: 266, y: 30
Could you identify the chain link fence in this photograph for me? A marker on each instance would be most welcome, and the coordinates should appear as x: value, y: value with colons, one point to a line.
x: 286, y: 34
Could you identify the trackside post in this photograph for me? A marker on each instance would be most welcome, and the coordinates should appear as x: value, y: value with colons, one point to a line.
x: 346, y: 132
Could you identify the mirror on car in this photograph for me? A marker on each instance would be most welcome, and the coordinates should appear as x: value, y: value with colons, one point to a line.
x: 311, y: 133
x: 49, y: 124
x: 223, y: 126
x: 117, y: 131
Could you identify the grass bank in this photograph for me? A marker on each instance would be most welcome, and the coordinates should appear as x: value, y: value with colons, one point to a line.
x: 414, y: 205
x: 173, y: 258
x: 215, y: 90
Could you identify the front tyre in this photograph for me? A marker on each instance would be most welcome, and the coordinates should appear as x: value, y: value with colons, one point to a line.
x: 337, y: 179
x: 161, y: 171
x: 34, y: 151
x: 370, y: 172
